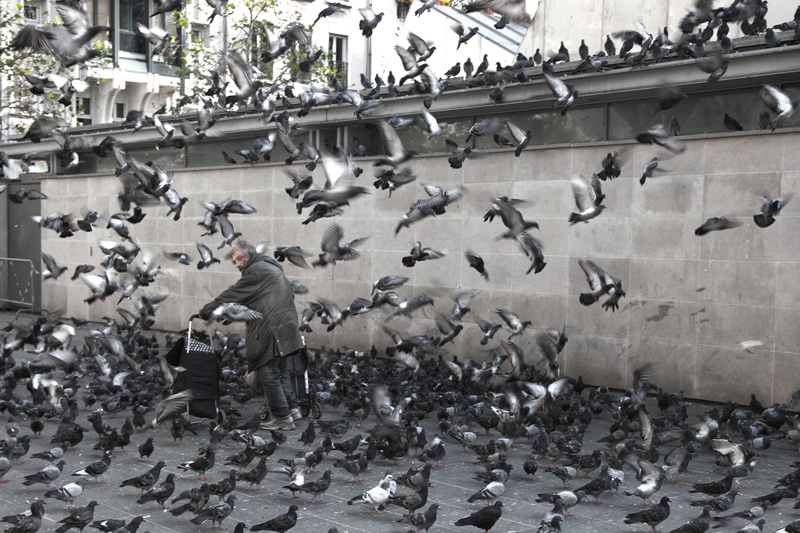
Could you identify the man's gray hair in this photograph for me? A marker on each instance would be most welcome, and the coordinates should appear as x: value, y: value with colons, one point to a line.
x: 248, y: 250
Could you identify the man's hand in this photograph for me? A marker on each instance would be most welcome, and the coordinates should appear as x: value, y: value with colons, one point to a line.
x: 205, y: 312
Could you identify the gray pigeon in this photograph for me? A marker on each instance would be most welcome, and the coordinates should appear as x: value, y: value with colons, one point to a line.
x: 696, y: 525
x: 490, y: 492
x: 720, y: 504
x: 770, y: 209
x: 651, y: 167
x: 587, y: 200
x: 46, y: 475
x: 753, y: 528
x: 97, y: 468
x: 388, y: 283
x: 68, y: 493
x: 716, y: 224
x: 234, y: 312
x: 568, y: 498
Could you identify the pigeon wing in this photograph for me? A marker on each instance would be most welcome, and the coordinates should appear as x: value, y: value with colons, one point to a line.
x: 556, y: 85
x: 407, y: 58
x: 583, y: 192
x: 333, y: 235
x: 391, y: 140
x: 593, y: 274
x: 239, y: 207
x: 515, y: 131
x: 205, y: 252
x: 776, y: 100
x: 54, y: 360
x: 418, y: 43
x: 236, y: 67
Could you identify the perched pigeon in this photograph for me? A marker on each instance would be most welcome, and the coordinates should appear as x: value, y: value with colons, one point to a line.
x: 483, y: 519
x: 147, y: 480
x: 161, y: 493
x: 97, y: 468
x: 490, y: 492
x: 424, y: 520
x: 46, y: 475
x: 68, y: 493
x: 696, y: 525
x: 79, y: 518
x: 376, y: 496
x: 651, y: 516
x: 216, y: 512
x: 279, y: 524
x: 201, y: 465
x: 32, y: 523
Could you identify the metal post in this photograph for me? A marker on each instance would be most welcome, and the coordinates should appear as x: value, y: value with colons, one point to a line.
x: 182, y: 37
x: 224, y: 35
x: 114, y: 6
x: 369, y: 53
x: 3, y: 116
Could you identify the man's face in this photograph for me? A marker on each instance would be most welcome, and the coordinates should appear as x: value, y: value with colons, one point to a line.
x: 239, y: 259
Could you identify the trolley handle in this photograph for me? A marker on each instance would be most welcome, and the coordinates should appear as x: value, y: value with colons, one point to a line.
x: 189, y: 333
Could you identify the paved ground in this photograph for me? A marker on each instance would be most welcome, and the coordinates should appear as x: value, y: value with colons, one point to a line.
x: 452, y: 485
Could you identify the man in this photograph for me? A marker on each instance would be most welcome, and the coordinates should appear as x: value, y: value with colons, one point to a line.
x: 264, y: 288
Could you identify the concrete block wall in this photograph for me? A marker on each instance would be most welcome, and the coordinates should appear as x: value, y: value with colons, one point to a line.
x: 690, y: 300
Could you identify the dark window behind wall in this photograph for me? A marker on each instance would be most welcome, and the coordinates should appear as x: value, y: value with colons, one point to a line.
x: 132, y: 12
x: 84, y: 111
x: 337, y: 45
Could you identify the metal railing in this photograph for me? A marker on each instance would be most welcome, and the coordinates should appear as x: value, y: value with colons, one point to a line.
x: 16, y: 281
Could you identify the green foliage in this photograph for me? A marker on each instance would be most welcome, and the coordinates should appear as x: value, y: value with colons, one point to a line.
x: 17, y: 105
x: 247, y: 25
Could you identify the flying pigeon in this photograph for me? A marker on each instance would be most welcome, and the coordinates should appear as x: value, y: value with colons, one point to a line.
x: 771, y: 208
x: 716, y: 224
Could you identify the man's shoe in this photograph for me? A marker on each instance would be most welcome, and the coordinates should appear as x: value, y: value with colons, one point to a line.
x: 280, y: 424
x: 296, y: 414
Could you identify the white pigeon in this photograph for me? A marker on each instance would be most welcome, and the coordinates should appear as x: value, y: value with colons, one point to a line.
x: 376, y: 496
x: 490, y: 492
x: 68, y: 493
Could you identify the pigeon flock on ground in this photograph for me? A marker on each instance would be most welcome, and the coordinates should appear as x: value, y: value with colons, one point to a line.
x: 504, y: 425
x: 417, y: 401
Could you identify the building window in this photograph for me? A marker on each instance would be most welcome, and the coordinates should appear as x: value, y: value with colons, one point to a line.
x: 337, y: 46
x: 402, y: 10
x: 89, y: 7
x: 30, y: 10
x: 120, y: 110
x: 132, y: 12
x: 84, y: 111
